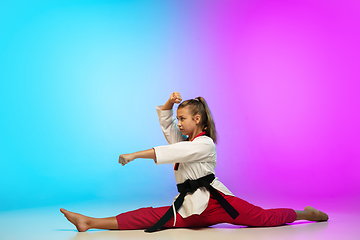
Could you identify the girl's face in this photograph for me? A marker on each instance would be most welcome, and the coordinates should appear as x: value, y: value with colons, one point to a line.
x: 187, y: 123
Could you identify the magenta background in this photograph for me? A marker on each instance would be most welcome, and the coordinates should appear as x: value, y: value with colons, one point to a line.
x: 282, y: 80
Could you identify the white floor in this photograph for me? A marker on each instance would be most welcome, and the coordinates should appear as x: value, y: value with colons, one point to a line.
x: 49, y: 223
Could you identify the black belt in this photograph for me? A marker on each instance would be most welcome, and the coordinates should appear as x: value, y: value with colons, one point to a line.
x: 189, y: 186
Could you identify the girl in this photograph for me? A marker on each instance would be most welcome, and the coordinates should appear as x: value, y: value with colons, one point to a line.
x: 203, y: 200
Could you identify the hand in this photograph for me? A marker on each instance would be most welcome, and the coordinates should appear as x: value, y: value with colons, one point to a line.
x: 126, y: 158
x: 175, y: 97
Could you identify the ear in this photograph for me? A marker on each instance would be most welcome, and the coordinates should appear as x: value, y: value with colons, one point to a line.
x: 197, y: 119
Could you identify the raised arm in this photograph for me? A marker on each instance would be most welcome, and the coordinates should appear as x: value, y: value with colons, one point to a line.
x: 168, y: 122
x: 174, y: 98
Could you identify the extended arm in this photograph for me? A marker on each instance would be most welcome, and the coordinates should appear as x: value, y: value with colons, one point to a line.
x: 126, y: 158
x: 201, y: 150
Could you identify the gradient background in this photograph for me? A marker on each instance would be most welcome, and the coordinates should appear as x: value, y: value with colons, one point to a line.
x: 79, y: 82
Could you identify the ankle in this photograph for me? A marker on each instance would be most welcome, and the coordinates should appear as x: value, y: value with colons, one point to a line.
x: 90, y: 222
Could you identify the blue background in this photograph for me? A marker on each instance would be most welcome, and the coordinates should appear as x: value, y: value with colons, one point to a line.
x: 79, y: 86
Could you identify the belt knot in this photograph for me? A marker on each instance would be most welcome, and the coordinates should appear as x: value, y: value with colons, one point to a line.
x: 190, y: 186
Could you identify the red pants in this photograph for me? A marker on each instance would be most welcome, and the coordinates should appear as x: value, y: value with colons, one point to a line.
x: 250, y: 215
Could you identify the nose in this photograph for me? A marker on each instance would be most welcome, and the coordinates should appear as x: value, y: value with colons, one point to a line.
x: 179, y: 124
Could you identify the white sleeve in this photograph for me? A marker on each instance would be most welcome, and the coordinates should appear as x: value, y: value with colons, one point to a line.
x: 201, y: 150
x: 168, y: 125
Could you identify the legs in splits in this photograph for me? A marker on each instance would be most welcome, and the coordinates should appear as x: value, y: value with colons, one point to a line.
x: 250, y: 215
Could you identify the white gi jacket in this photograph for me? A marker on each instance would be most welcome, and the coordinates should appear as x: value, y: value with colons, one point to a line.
x: 196, y: 159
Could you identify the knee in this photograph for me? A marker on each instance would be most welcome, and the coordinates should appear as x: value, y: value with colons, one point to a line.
x: 271, y: 218
x: 262, y: 218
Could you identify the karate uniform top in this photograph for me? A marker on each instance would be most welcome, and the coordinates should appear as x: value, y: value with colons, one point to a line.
x: 196, y: 159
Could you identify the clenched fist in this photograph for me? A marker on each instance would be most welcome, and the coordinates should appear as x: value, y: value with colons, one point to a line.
x: 175, y: 97
x: 126, y: 158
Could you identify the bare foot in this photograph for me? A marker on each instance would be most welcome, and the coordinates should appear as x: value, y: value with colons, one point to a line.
x: 81, y: 222
x: 316, y: 215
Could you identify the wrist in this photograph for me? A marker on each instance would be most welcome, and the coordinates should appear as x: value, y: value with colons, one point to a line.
x: 168, y: 105
x: 134, y: 155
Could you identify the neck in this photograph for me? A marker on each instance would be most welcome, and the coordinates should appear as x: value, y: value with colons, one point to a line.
x: 195, y: 133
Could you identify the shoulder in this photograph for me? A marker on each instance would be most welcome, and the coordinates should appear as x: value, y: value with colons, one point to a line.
x: 205, y: 141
